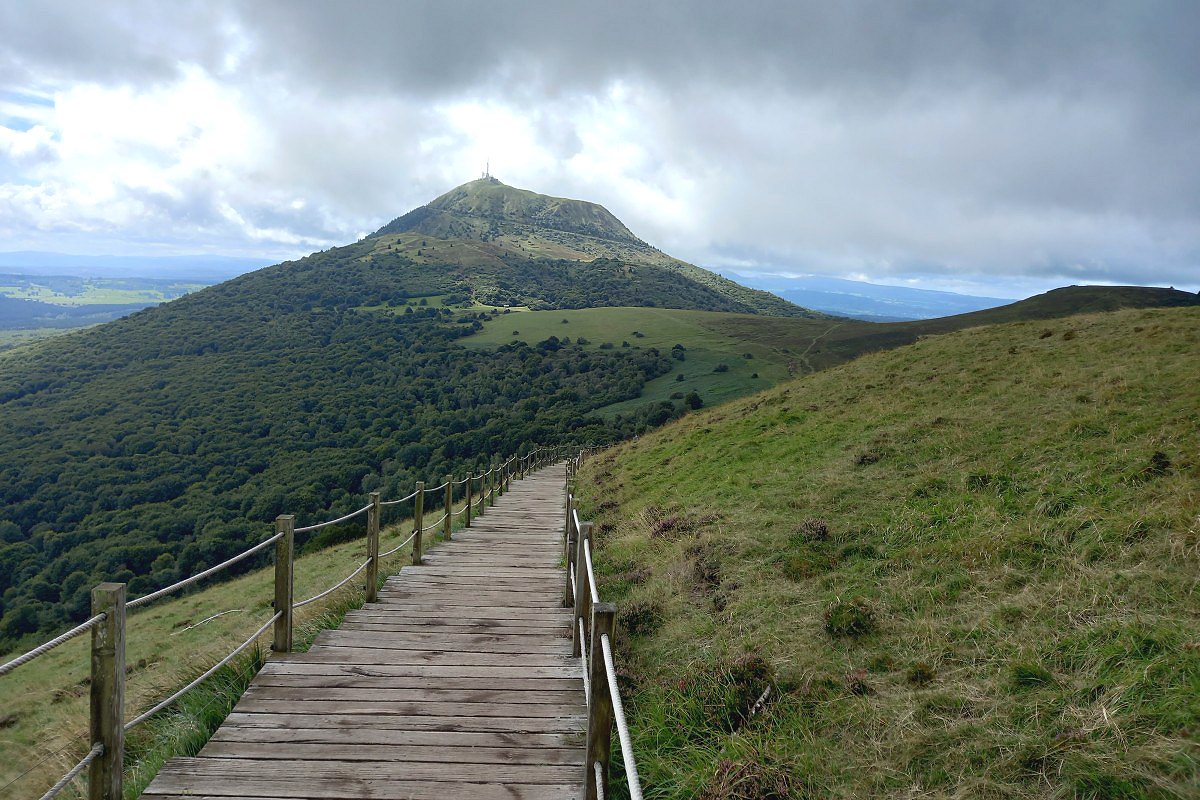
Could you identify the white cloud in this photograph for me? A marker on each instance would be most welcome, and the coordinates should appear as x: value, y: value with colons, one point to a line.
x: 835, y: 138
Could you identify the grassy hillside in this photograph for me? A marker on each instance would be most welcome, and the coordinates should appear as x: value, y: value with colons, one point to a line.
x: 700, y: 332
x: 964, y: 568
x: 44, y: 705
x: 777, y: 347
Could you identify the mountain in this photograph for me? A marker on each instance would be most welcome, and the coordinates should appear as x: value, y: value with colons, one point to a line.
x: 867, y: 301
x: 509, y: 246
x: 161, y: 442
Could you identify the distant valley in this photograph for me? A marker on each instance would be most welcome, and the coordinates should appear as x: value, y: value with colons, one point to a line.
x: 866, y: 301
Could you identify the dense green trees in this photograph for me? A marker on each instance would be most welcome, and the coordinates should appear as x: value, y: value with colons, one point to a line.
x: 166, y: 441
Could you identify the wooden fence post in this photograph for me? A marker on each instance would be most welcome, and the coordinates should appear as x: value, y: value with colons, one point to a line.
x: 500, y: 469
x: 569, y: 546
x: 418, y: 549
x: 600, y: 709
x: 108, y: 692
x: 492, y: 483
x: 373, y: 514
x: 449, y: 507
x: 583, y: 593
x: 282, y: 641
x: 568, y: 553
x: 470, y: 498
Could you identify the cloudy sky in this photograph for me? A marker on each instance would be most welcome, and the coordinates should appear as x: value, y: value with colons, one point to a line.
x: 991, y: 147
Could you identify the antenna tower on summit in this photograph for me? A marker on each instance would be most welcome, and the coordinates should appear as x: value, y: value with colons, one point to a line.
x: 487, y: 169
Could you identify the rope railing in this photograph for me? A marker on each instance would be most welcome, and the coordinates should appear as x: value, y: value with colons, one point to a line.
x: 42, y: 649
x: 404, y: 499
x: 600, y: 689
x: 631, y: 770
x: 436, y: 524
x: 335, y: 587
x: 208, y: 673
x: 110, y: 607
x: 174, y: 587
x: 327, y: 523
x: 399, y: 547
x: 96, y: 751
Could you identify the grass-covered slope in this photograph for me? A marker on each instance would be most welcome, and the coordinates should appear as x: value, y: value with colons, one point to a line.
x: 963, y: 568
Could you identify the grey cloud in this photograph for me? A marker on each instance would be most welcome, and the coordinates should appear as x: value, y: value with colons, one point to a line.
x: 912, y: 138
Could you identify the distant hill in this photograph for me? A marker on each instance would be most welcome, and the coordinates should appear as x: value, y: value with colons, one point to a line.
x: 817, y: 346
x: 866, y: 301
x: 193, y: 268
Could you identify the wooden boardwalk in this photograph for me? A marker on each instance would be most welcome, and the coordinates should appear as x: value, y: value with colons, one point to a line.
x: 457, y: 684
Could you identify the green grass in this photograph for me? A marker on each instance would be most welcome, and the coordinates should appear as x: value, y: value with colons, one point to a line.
x: 781, y: 346
x: 12, y: 338
x: 964, y: 568
x: 700, y: 332
x: 95, y: 291
x: 43, y: 705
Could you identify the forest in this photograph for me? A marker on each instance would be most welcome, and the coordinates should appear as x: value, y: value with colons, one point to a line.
x: 161, y: 443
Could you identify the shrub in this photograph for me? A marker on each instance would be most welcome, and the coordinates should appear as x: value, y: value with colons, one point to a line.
x: 856, y: 682
x: 693, y: 401
x: 748, y: 779
x: 853, y: 617
x: 732, y: 692
x: 679, y: 377
x: 1027, y: 675
x: 640, y: 617
x: 721, y: 368
x: 920, y: 674
x: 812, y: 530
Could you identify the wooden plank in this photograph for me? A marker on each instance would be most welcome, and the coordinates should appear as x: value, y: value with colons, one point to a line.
x: 434, y: 680
x: 398, y: 738
x: 283, y: 722
x: 421, y: 694
x: 456, y: 683
x: 435, y: 753
x: 233, y: 769
x: 487, y: 671
x: 251, y: 704
x: 249, y: 789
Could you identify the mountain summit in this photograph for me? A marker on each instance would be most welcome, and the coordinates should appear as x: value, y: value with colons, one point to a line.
x: 500, y: 241
x: 495, y: 204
